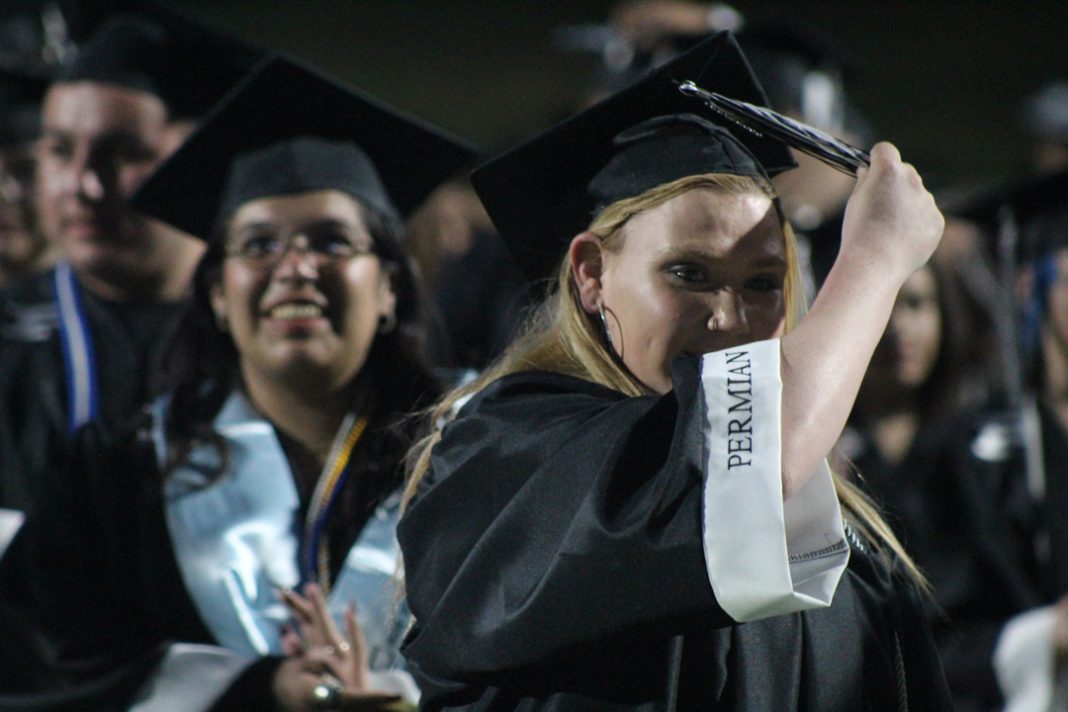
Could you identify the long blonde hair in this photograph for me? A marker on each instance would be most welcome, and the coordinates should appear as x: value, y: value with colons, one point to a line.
x: 562, y: 338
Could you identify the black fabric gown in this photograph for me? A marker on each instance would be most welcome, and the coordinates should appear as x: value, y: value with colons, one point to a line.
x: 906, y: 491
x: 554, y: 561
x: 1000, y: 552
x: 91, y: 593
x: 129, y: 340
x: 926, y: 500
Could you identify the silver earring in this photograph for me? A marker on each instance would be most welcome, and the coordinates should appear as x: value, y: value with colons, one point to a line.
x: 604, y: 324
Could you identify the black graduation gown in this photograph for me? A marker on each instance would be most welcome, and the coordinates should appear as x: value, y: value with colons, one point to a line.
x: 904, y: 490
x: 554, y: 561
x: 129, y: 340
x: 91, y: 593
x: 1002, y: 553
x: 927, y: 498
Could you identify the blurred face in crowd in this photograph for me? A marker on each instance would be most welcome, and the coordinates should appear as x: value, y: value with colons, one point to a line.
x: 1057, y: 301
x: 909, y: 349
x: 1050, y: 156
x: 21, y: 245
x: 302, y: 290
x: 701, y: 272
x: 99, y: 143
x: 812, y: 192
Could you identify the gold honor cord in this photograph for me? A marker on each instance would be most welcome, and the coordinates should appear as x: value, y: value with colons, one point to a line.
x: 316, y: 549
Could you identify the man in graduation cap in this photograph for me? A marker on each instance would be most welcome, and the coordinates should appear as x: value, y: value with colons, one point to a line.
x: 84, y: 340
x: 635, y: 471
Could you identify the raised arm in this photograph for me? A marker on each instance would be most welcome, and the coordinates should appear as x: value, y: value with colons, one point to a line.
x: 891, y: 228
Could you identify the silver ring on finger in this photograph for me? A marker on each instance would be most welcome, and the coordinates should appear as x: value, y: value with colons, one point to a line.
x: 327, y: 694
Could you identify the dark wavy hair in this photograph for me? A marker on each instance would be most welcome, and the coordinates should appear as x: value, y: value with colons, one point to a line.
x: 940, y: 396
x: 202, y: 366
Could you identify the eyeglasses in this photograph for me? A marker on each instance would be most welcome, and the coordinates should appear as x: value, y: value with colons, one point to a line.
x: 265, y: 245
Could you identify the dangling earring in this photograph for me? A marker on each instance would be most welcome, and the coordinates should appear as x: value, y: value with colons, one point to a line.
x: 387, y: 323
x: 604, y: 324
x: 221, y: 324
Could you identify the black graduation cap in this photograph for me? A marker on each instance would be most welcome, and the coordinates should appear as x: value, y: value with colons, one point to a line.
x: 20, y: 106
x: 799, y: 68
x: 25, y: 45
x: 62, y: 20
x: 1022, y: 222
x: 1034, y: 209
x: 184, y: 62
x: 546, y: 191
x: 288, y: 129
x: 1045, y: 113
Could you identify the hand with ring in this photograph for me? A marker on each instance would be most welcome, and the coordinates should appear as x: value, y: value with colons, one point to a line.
x: 325, y: 670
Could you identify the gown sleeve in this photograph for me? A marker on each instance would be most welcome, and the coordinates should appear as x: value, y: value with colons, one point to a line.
x: 93, y: 614
x: 557, y: 513
x: 68, y: 584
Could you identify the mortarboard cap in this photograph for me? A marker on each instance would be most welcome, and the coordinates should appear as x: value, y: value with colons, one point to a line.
x: 1037, y: 207
x: 126, y: 51
x: 547, y: 190
x: 20, y: 106
x: 185, y: 63
x: 1022, y: 223
x: 289, y: 129
x: 33, y: 37
x: 1045, y: 113
x: 800, y: 69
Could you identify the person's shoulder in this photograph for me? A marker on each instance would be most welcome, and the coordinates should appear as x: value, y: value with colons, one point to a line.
x: 28, y: 311
x: 37, y: 289
x: 528, y: 393
x: 552, y: 407
x: 530, y: 398
x: 114, y: 451
x: 532, y: 414
x: 548, y: 383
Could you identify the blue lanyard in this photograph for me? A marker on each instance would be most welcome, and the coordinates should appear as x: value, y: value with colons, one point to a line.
x: 79, y: 360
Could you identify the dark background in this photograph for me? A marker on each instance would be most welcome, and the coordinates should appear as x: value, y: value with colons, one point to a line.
x: 943, y: 80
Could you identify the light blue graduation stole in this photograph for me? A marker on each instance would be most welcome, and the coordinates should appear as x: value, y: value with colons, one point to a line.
x: 236, y: 541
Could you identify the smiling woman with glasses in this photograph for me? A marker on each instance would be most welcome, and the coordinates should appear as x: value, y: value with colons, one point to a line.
x: 243, y: 551
x: 264, y: 244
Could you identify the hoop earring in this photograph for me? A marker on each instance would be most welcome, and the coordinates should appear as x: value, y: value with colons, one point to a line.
x: 604, y: 325
x: 387, y: 323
